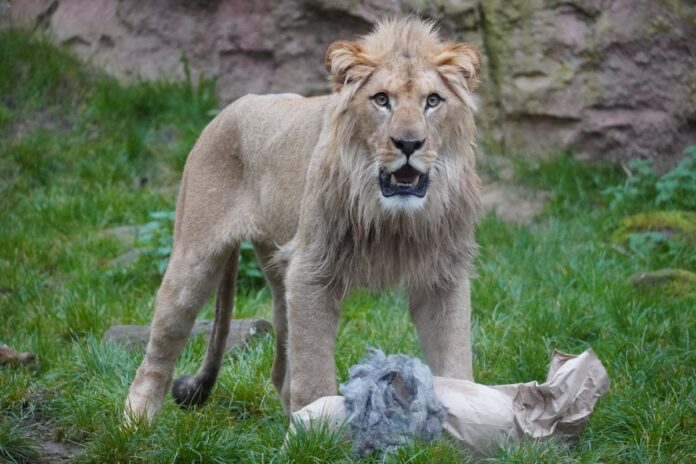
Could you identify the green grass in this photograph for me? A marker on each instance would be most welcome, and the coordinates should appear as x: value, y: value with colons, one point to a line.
x: 81, y: 155
x: 15, y: 444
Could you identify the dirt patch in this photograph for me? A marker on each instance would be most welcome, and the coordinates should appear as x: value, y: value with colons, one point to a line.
x: 40, y: 119
x: 500, y: 194
x: 513, y: 203
x: 50, y: 450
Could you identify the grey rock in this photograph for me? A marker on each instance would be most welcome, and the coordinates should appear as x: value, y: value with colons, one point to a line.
x: 11, y: 356
x: 127, y: 235
x: 127, y: 258
x: 674, y: 282
x: 610, y: 80
x: 242, y: 331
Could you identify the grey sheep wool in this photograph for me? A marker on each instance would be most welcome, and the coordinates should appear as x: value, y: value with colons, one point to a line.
x: 390, y: 400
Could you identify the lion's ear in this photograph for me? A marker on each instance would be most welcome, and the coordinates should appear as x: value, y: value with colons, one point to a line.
x: 459, y: 62
x: 347, y: 62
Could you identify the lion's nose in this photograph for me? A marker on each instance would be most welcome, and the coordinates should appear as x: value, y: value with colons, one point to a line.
x: 407, y: 147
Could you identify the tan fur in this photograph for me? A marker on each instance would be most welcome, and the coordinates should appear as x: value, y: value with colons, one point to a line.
x: 303, y: 173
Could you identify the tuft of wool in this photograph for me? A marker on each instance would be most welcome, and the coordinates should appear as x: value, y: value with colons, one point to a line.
x: 390, y: 400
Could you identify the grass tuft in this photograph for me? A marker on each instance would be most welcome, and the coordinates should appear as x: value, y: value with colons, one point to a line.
x: 16, y: 446
x: 316, y: 443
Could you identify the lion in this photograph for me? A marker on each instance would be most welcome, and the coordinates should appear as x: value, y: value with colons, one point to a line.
x: 372, y: 186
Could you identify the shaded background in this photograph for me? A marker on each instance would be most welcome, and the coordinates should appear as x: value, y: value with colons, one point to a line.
x: 609, y: 80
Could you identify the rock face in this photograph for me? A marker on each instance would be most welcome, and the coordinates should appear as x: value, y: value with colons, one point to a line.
x: 608, y: 79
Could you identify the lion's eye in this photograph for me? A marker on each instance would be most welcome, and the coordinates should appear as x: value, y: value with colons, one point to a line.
x: 381, y: 99
x: 433, y: 100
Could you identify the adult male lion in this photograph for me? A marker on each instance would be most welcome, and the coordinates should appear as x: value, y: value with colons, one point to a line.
x: 370, y: 186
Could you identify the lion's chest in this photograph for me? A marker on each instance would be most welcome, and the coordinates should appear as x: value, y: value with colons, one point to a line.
x: 382, y: 261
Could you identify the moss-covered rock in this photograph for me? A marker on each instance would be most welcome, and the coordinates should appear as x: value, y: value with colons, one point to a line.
x: 589, y: 76
x: 675, y: 225
x: 677, y: 283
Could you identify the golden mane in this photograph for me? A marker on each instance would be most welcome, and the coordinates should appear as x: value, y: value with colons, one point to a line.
x: 399, y: 242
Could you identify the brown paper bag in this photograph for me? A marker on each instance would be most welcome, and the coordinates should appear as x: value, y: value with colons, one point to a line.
x: 485, y: 417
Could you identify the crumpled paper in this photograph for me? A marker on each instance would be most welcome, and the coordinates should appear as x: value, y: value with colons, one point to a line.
x: 485, y: 417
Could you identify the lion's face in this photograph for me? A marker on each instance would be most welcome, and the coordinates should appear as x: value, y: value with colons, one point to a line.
x: 410, y: 112
x: 401, y: 112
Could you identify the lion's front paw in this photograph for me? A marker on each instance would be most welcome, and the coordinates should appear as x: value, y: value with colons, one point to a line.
x: 140, y: 408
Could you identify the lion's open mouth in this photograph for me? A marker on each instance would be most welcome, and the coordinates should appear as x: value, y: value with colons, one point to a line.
x: 404, y: 181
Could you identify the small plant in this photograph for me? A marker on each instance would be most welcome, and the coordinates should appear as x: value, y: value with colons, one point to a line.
x: 156, y: 237
x: 644, y: 243
x: 249, y: 273
x: 638, y: 187
x: 669, y: 235
x: 674, y: 190
x: 677, y: 188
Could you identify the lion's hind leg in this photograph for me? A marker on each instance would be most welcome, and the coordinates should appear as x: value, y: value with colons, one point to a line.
x: 207, y: 233
x: 194, y: 390
x: 188, y: 282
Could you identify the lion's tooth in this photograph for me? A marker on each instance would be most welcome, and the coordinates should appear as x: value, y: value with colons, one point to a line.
x: 393, y: 179
x: 415, y: 181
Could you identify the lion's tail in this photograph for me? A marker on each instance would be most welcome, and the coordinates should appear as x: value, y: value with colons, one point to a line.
x: 194, y: 390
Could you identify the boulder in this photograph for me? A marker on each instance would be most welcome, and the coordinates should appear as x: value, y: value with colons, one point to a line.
x: 11, y: 356
x: 673, y: 225
x: 670, y: 282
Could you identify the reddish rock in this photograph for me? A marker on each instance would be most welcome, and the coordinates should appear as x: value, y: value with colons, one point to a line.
x: 10, y: 356
x: 608, y: 79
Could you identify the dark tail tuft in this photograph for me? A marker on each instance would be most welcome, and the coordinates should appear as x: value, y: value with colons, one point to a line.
x: 188, y: 391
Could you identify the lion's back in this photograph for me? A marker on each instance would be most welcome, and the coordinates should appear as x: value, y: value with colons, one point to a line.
x: 277, y: 124
x: 275, y: 136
